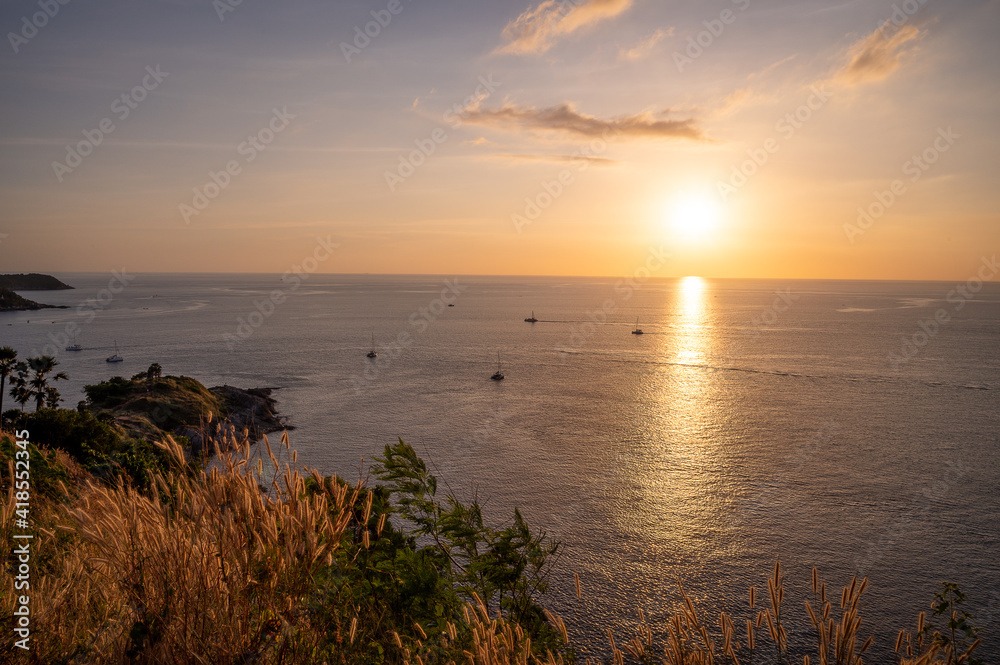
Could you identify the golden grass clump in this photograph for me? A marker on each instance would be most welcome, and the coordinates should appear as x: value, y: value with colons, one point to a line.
x: 205, y: 567
x: 688, y: 640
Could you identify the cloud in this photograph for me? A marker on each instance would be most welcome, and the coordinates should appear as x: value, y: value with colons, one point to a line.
x: 878, y: 55
x: 537, y: 29
x: 596, y: 161
x: 481, y: 141
x: 645, y: 47
x: 565, y: 119
x: 735, y: 100
x: 752, y: 93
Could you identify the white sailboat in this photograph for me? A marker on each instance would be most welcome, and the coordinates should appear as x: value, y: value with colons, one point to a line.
x: 498, y: 375
x: 115, y: 358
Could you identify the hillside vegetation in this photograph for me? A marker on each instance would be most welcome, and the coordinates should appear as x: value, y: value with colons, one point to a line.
x: 32, y: 282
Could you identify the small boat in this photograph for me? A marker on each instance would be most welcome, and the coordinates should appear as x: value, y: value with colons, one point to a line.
x: 115, y: 358
x: 74, y: 346
x: 498, y: 375
x: 531, y: 319
x: 451, y: 304
x: 638, y: 330
x: 372, y: 353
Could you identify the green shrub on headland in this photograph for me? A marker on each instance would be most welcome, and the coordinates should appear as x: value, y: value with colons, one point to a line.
x: 99, y: 447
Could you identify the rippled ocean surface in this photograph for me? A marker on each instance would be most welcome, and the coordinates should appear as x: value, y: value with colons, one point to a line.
x: 753, y: 421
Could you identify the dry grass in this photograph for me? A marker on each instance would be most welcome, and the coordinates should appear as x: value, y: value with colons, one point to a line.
x: 206, y: 568
x: 689, y: 640
x: 210, y: 568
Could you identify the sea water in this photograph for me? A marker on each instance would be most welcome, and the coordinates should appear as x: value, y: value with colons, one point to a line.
x: 847, y: 425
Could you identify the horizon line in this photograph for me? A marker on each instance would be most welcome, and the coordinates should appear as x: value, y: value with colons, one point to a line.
x: 498, y: 275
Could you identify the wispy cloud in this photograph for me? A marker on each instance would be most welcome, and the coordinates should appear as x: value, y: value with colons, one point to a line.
x: 645, y: 47
x: 596, y: 161
x: 537, y: 29
x: 878, y: 55
x: 565, y: 119
x: 752, y: 93
x: 480, y: 141
x: 735, y: 101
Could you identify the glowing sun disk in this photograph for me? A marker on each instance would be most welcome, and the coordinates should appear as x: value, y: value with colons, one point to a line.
x: 693, y: 216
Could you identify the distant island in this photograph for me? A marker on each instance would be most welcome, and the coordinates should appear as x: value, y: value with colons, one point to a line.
x: 32, y: 282
x: 11, y: 302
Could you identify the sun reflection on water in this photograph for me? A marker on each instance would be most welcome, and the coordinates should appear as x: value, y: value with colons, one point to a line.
x: 678, y: 461
x: 690, y: 341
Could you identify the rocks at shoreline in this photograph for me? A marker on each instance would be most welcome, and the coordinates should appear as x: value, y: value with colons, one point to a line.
x: 251, y: 409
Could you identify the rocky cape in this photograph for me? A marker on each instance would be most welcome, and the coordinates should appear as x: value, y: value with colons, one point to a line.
x: 11, y: 302
x: 251, y: 409
x: 151, y: 407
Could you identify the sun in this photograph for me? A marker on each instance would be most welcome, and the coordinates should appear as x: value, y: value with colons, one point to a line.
x: 693, y: 216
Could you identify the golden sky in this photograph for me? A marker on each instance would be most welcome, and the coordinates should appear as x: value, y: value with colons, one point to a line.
x: 745, y: 138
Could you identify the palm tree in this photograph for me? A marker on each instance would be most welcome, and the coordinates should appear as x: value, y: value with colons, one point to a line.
x: 52, y: 398
x: 19, y: 384
x: 36, y: 381
x: 8, y: 363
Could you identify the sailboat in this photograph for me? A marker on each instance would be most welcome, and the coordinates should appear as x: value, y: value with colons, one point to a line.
x: 638, y: 330
x: 372, y: 353
x: 115, y: 358
x: 74, y: 346
x: 498, y: 375
x: 532, y: 318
